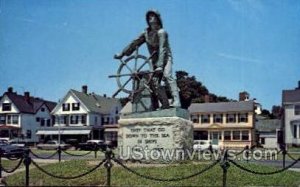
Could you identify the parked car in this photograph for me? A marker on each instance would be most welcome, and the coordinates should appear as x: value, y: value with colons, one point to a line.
x: 53, y: 145
x: 201, y: 145
x: 19, y: 142
x: 8, y: 150
x: 92, y: 145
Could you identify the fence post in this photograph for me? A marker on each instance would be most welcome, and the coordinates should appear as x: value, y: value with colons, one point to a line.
x: 108, y: 165
x: 59, y: 153
x: 27, y: 162
x: 0, y: 163
x: 283, y: 157
x: 225, y: 165
x: 247, y: 152
x: 95, y: 149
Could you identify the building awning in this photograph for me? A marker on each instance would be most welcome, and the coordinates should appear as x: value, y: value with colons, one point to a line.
x: 63, y: 132
x: 111, y: 130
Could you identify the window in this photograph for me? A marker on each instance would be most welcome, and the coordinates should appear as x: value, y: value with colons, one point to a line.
x: 117, y: 119
x: 43, y: 109
x: 297, y: 109
x: 295, y: 131
x: 117, y: 111
x: 262, y: 141
x: 9, y: 119
x: 96, y: 120
x: 2, y: 119
x: 42, y: 122
x: 243, y: 118
x: 66, y: 107
x: 83, y: 119
x: 195, y: 118
x: 200, y: 135
x: 74, y: 119
x: 236, y: 135
x: 15, y: 119
x: 48, y: 122
x: 28, y: 134
x: 245, y: 135
x: 218, y: 118
x: 227, y: 135
x: 75, y: 106
x: 6, y: 106
x: 205, y: 118
x: 37, y: 119
x: 230, y: 118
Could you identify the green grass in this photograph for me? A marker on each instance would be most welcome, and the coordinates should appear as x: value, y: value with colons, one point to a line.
x: 121, y: 177
x: 9, y: 164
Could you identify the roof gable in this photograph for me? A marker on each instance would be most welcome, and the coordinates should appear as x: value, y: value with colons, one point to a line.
x: 291, y: 96
x: 96, y: 103
x: 30, y: 105
x: 240, y: 106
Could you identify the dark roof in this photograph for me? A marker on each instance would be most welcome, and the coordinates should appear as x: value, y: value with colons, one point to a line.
x: 291, y: 96
x: 96, y: 103
x: 239, y: 106
x: 268, y: 125
x: 32, y: 105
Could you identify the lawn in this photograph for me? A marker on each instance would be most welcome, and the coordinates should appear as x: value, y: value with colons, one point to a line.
x: 121, y: 177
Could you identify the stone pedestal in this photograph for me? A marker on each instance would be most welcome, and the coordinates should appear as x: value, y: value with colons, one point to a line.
x: 155, y: 136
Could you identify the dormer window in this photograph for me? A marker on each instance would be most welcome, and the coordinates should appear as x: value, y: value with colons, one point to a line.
x: 66, y: 107
x: 75, y: 106
x: 6, y: 106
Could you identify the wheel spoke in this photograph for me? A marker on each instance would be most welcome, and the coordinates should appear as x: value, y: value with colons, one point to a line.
x: 125, y: 64
x: 122, y: 75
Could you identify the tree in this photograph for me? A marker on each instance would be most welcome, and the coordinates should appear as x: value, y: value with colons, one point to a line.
x: 190, y: 89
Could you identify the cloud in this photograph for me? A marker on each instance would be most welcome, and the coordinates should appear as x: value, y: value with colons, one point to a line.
x: 238, y: 58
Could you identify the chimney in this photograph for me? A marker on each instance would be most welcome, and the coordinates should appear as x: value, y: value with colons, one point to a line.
x: 104, y: 95
x: 10, y: 89
x: 27, y: 96
x: 206, y: 98
x: 243, y: 96
x: 298, y: 86
x: 84, y: 89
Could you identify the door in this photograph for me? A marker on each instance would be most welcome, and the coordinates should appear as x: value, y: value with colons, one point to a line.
x: 215, y: 138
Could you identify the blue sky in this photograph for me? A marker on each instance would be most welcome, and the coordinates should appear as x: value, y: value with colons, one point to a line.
x: 49, y: 47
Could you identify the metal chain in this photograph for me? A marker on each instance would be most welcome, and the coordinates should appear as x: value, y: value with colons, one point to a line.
x: 14, y: 169
x: 237, y: 154
x: 12, y: 158
x: 73, y: 177
x: 262, y: 173
x: 47, y: 157
x: 291, y: 157
x: 71, y: 154
x: 165, y: 180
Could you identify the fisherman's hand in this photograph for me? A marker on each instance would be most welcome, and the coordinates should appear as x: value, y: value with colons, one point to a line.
x: 118, y: 56
x: 158, y: 69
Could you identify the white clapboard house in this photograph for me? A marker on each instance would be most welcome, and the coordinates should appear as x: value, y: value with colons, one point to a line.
x: 22, y: 115
x: 291, y: 107
x: 80, y: 116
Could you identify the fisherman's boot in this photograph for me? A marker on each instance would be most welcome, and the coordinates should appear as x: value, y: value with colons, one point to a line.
x: 175, y: 95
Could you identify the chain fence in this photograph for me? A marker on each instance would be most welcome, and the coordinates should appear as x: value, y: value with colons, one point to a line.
x: 14, y: 168
x: 71, y: 154
x: 43, y: 157
x: 224, y: 162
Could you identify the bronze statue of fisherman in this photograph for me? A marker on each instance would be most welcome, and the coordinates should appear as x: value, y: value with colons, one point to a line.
x: 156, y: 39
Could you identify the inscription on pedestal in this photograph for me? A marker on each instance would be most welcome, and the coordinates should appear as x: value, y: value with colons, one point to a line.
x: 147, y: 137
